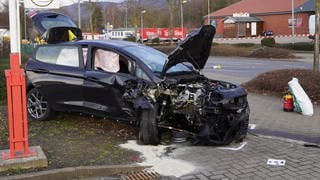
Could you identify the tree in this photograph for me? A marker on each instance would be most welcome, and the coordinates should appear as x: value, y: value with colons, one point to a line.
x: 173, y: 5
x: 90, y: 9
x: 4, y: 15
x: 113, y: 15
x: 97, y: 19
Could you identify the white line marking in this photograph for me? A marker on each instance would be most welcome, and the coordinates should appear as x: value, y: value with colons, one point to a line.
x: 234, y: 149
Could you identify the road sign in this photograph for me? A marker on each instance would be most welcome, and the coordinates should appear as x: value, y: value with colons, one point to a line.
x: 42, y: 4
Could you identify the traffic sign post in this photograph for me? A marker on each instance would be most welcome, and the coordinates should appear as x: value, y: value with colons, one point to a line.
x: 24, y: 157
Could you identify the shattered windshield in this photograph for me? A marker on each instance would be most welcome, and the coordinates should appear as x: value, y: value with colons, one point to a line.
x: 154, y: 59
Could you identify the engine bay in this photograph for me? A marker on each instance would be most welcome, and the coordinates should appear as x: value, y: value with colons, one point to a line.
x: 209, y: 109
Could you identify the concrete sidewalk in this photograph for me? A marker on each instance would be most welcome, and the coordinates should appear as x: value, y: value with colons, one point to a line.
x: 267, y: 114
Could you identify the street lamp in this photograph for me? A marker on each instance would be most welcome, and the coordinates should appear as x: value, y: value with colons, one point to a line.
x: 293, y: 23
x: 141, y: 32
x: 79, y: 16
x: 209, y: 12
x: 181, y: 11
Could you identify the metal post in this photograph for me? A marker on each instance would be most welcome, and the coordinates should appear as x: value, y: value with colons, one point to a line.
x: 181, y: 13
x: 16, y: 92
x: 79, y: 14
x: 25, y: 24
x: 317, y: 38
x: 127, y: 17
x: 293, y: 23
x: 141, y: 31
x: 209, y: 12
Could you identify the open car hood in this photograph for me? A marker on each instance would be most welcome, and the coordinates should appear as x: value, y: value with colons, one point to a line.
x: 195, y: 49
x: 54, y: 27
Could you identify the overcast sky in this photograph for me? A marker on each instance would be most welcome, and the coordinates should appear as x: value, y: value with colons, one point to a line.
x: 68, y: 2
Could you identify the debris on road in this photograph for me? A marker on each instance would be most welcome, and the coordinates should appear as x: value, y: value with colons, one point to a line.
x: 276, y: 162
x: 217, y: 66
x: 252, y: 126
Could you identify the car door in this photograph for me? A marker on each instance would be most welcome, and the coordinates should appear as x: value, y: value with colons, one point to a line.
x: 104, y: 84
x: 58, y: 72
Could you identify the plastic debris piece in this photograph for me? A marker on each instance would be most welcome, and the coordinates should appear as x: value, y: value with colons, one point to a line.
x: 252, y: 126
x: 217, y: 66
x: 276, y: 162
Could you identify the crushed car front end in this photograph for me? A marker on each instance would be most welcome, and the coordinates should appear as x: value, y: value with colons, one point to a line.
x: 211, y: 111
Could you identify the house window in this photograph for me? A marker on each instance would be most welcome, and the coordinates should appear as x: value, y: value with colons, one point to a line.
x: 229, y: 26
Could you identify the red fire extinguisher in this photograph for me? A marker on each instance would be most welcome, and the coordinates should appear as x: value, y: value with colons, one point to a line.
x: 288, y: 105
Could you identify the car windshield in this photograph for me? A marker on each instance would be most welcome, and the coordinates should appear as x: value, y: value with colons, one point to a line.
x: 154, y: 59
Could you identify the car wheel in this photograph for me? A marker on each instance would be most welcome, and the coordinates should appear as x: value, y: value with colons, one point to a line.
x: 37, y: 105
x: 149, y: 132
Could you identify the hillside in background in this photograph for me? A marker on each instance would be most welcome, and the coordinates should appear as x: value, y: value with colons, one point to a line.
x: 128, y: 13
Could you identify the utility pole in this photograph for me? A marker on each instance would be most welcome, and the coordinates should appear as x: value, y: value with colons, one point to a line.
x: 79, y: 14
x: 293, y: 22
x: 316, y: 39
x: 209, y: 12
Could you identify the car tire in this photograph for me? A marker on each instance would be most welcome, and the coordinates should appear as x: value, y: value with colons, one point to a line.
x: 37, y: 105
x: 149, y: 131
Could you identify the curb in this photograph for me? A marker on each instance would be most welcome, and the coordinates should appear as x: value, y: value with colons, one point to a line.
x: 78, y: 172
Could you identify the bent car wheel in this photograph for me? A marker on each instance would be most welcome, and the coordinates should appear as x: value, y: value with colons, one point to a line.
x: 149, y: 133
x: 37, y: 105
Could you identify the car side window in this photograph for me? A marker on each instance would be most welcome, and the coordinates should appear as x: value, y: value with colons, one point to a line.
x: 110, y: 61
x: 60, y: 55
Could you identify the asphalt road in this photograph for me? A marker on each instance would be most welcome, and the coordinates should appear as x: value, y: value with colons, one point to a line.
x: 239, y: 69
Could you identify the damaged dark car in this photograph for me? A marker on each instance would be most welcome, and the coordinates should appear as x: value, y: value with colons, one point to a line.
x: 135, y: 83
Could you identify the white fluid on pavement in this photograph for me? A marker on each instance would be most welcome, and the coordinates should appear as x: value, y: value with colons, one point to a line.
x: 163, y: 164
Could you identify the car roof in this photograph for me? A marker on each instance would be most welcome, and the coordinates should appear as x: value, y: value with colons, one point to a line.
x: 109, y: 43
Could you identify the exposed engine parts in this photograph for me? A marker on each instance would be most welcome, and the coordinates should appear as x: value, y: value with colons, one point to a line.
x: 214, y: 110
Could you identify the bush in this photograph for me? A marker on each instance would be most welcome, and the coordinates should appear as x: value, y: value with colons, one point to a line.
x: 299, y: 46
x: 269, y: 42
x: 130, y: 38
x: 155, y: 40
x: 276, y: 82
x: 228, y: 50
x: 272, y: 52
x: 244, y: 44
x: 165, y: 48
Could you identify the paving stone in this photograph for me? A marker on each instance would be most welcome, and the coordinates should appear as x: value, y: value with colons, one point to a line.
x: 206, y: 173
x: 217, y: 176
x: 251, y: 162
x: 201, y: 177
x: 231, y: 176
x: 188, y: 177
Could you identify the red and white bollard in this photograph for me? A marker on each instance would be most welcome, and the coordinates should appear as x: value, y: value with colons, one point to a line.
x: 16, y: 93
x: 17, y: 111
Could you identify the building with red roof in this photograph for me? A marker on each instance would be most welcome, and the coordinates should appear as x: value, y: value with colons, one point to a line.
x: 254, y: 17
